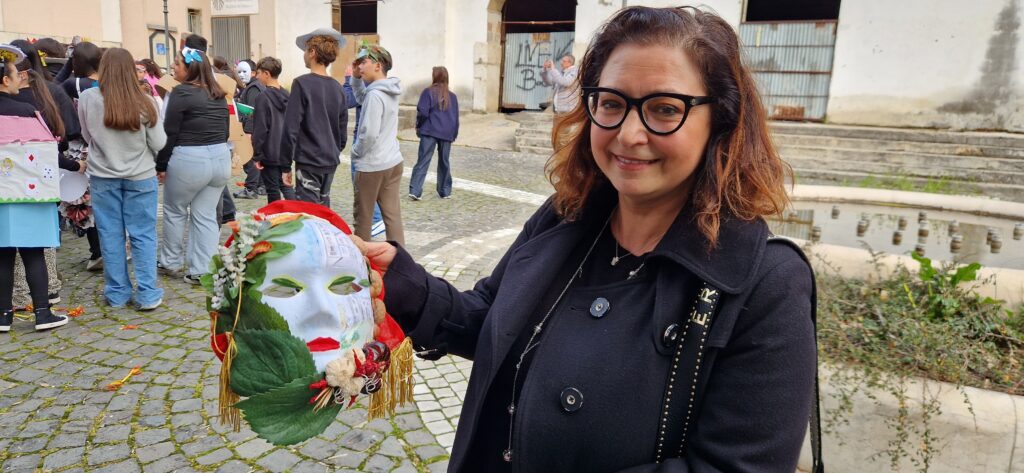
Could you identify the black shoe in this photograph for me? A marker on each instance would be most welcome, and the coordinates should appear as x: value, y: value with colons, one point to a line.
x: 46, y: 320
x: 193, y: 279
x: 246, y: 194
x: 6, y: 319
x: 261, y: 191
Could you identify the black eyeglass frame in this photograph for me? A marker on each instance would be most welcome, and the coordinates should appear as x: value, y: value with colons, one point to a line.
x: 689, y: 102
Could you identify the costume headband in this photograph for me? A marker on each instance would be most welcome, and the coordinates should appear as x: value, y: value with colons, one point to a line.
x: 191, y: 55
x: 10, y: 54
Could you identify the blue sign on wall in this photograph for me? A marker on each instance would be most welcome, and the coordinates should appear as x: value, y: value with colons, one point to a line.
x: 161, y: 49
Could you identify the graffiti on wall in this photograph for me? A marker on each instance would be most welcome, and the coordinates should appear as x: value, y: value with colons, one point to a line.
x: 525, y: 54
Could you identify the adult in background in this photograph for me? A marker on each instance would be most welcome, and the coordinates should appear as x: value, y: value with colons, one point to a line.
x: 642, y: 321
x: 376, y: 155
x: 316, y: 119
x: 437, y: 125
x: 253, y: 88
x: 194, y: 165
x: 29, y: 226
x: 267, y: 130
x: 124, y: 131
x: 566, y: 95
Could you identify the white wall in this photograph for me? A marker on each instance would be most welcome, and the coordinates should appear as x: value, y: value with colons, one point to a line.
x: 591, y: 14
x: 110, y: 12
x: 923, y: 63
x: 295, y: 18
x: 445, y: 35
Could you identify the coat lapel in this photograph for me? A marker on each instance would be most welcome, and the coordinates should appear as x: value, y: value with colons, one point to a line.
x: 531, y: 272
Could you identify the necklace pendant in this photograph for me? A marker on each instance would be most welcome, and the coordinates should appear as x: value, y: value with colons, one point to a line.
x: 507, y: 455
x: 615, y: 260
x: 632, y: 273
x: 511, y: 409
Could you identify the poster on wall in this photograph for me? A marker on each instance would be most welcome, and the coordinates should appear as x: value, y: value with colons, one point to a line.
x: 235, y: 7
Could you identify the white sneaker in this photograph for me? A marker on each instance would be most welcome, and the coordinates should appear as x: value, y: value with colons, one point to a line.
x: 377, y: 229
x: 94, y: 264
x: 152, y: 306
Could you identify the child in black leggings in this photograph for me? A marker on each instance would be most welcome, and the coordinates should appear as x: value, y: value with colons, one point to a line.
x: 28, y: 226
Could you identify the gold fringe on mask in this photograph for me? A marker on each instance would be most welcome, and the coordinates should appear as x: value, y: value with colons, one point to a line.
x: 229, y: 415
x: 397, y: 383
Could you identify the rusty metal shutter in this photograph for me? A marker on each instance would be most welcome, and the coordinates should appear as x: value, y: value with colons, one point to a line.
x: 792, y: 64
x: 231, y: 38
x: 525, y: 53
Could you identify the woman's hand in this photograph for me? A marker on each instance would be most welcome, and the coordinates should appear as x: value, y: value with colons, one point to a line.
x: 381, y: 254
x: 81, y: 166
x: 286, y: 178
x: 161, y: 176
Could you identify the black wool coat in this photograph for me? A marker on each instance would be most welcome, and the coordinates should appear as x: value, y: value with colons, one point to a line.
x: 754, y: 397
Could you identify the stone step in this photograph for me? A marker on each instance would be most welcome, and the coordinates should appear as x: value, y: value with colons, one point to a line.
x: 873, y: 144
x: 546, y: 150
x: 1009, y: 192
x: 535, y: 142
x: 533, y: 132
x: 935, y: 161
x: 974, y: 138
x: 891, y: 170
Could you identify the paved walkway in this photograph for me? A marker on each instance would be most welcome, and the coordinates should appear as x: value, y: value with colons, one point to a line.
x: 56, y: 415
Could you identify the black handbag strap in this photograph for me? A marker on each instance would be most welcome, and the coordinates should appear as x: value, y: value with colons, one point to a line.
x: 681, y: 392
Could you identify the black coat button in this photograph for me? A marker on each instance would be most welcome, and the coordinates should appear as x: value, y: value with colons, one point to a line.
x: 572, y: 399
x: 599, y: 307
x: 671, y: 335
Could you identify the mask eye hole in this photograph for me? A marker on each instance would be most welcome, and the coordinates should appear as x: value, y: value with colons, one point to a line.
x: 346, y: 285
x: 283, y: 288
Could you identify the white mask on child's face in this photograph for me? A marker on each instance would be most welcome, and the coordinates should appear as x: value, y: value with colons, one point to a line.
x: 244, y: 72
x: 322, y: 290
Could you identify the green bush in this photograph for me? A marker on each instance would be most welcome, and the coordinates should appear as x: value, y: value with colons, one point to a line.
x: 928, y: 324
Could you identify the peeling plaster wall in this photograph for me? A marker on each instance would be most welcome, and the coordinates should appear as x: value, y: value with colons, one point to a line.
x: 294, y: 18
x: 449, y: 33
x: 929, y: 63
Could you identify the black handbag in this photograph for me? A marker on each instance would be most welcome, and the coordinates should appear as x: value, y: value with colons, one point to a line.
x: 681, y: 391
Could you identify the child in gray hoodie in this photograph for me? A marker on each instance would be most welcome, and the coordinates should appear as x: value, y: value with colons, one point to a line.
x: 376, y: 155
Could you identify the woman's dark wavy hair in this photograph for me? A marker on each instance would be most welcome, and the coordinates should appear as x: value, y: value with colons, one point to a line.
x: 741, y: 174
x: 200, y: 74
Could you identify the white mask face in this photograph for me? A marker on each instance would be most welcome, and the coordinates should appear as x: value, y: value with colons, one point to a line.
x: 244, y: 72
x: 322, y: 290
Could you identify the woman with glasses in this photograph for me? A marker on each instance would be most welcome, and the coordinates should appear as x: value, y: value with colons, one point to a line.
x: 642, y: 321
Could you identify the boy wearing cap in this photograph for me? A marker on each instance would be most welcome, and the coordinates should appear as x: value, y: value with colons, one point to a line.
x: 316, y: 119
x: 376, y: 156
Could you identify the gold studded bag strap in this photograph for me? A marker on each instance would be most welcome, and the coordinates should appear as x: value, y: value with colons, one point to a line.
x: 684, y: 374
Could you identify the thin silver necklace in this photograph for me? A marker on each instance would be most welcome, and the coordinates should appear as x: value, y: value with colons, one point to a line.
x: 617, y: 258
x: 534, y: 341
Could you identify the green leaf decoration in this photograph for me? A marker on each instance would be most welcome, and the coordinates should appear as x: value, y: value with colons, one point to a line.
x: 256, y: 271
x: 258, y: 316
x: 287, y: 282
x: 206, y: 281
x: 268, y: 359
x: 278, y: 249
x: 225, y: 319
x: 282, y: 229
x: 284, y: 416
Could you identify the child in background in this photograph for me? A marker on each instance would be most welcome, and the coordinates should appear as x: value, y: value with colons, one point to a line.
x: 36, y: 223
x: 267, y: 130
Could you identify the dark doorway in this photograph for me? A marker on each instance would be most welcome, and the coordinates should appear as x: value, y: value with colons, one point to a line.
x: 792, y: 10
x: 539, y: 16
x: 357, y: 16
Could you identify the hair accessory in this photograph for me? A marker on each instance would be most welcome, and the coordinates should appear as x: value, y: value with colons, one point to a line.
x: 11, y: 54
x: 191, y: 55
x: 42, y: 58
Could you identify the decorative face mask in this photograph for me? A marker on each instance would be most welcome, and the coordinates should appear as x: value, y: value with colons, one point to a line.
x: 244, y: 72
x: 322, y: 289
x: 300, y: 325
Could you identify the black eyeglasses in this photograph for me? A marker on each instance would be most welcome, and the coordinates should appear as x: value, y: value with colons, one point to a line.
x: 661, y: 113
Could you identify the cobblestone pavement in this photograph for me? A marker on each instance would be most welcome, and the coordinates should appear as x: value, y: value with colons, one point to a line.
x: 56, y: 415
